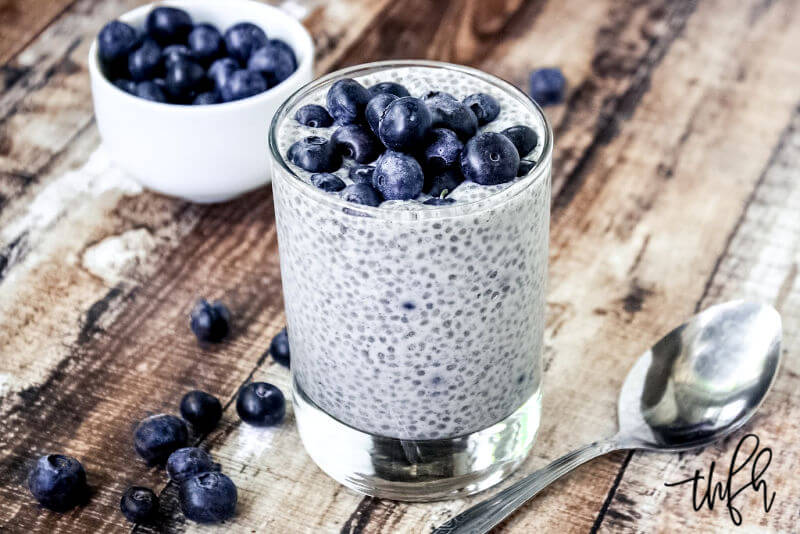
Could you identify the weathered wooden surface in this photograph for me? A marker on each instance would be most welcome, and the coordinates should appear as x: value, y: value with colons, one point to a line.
x: 675, y: 186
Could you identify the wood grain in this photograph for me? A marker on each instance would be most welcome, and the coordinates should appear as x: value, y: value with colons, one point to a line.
x: 658, y: 210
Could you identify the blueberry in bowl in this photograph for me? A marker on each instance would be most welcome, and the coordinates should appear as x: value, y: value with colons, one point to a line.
x: 201, y: 142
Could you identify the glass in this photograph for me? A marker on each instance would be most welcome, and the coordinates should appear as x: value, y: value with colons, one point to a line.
x: 416, y: 334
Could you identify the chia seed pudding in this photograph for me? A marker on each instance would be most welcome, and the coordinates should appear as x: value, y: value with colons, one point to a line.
x: 408, y: 320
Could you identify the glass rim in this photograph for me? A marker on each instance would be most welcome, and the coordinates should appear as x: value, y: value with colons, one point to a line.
x: 539, y: 172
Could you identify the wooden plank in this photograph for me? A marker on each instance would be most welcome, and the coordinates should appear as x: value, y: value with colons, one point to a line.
x: 20, y: 22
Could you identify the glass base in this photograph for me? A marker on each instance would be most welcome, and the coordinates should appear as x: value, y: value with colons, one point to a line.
x: 416, y: 470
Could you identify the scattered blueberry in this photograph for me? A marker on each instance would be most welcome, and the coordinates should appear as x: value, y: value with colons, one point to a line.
x: 347, y: 100
x: 184, y: 78
x: 275, y: 62
x: 168, y: 25
x: 375, y: 107
x: 202, y: 410
x: 525, y: 166
x: 145, y: 63
x: 243, y: 39
x: 390, y: 88
x: 404, y: 124
x: 314, y: 116
x: 485, y: 107
x: 150, y: 91
x: 315, y: 154
x: 361, y: 174
x: 279, y: 347
x: 447, y: 112
x: 261, y: 404
x: 210, y: 322
x: 174, y: 53
x: 443, y: 182
x: 58, y: 482
x: 398, y: 176
x: 221, y: 70
x: 357, y: 142
x: 115, y: 41
x: 158, y: 436
x: 443, y: 150
x: 208, y: 497
x: 206, y: 43
x: 432, y: 95
x: 437, y: 201
x: 242, y: 84
x: 187, y: 462
x: 548, y: 86
x: 327, y: 182
x: 126, y: 85
x: 206, y: 99
x: 489, y: 158
x: 139, y: 505
x: 363, y: 194
x: 523, y: 138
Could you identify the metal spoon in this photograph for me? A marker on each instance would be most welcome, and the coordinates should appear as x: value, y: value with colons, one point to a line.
x: 699, y: 383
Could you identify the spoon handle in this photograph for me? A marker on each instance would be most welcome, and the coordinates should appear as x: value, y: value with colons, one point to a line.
x: 487, y: 514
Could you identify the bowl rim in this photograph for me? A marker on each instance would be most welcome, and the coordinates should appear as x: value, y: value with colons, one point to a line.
x: 291, y: 83
x: 540, y: 172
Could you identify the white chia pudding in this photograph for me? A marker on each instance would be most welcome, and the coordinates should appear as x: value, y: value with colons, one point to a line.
x: 409, y: 320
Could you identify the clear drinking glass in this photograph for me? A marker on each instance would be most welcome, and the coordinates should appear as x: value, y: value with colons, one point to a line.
x: 416, y: 334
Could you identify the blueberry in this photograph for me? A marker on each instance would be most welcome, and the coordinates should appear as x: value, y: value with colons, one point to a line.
x: 58, y: 482
x: 489, y: 158
x: 168, y: 25
x: 436, y: 201
x: 206, y: 43
x: 221, y: 70
x: 243, y: 39
x: 314, y: 116
x: 398, y: 176
x: 184, y: 79
x: 375, y: 107
x: 279, y: 347
x: 145, y: 63
x: 210, y: 322
x: 443, y: 150
x: 485, y: 107
x: 261, y: 404
x: 208, y: 498
x: 202, y: 410
x: 432, y: 95
x: 206, y: 99
x: 361, y: 174
x: 275, y: 62
x: 548, y: 86
x: 390, y: 88
x: 150, y: 91
x: 173, y: 53
x: 444, y: 181
x: 243, y: 84
x: 347, y: 100
x: 158, y: 436
x: 357, y: 142
x: 525, y: 166
x: 187, y: 462
x: 126, y: 85
x: 523, y: 138
x: 404, y: 124
x: 314, y: 154
x: 139, y: 505
x: 328, y: 182
x: 114, y: 42
x: 363, y: 194
x: 447, y: 112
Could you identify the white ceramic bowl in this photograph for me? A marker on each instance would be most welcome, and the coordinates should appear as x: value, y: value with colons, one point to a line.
x: 200, y: 153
